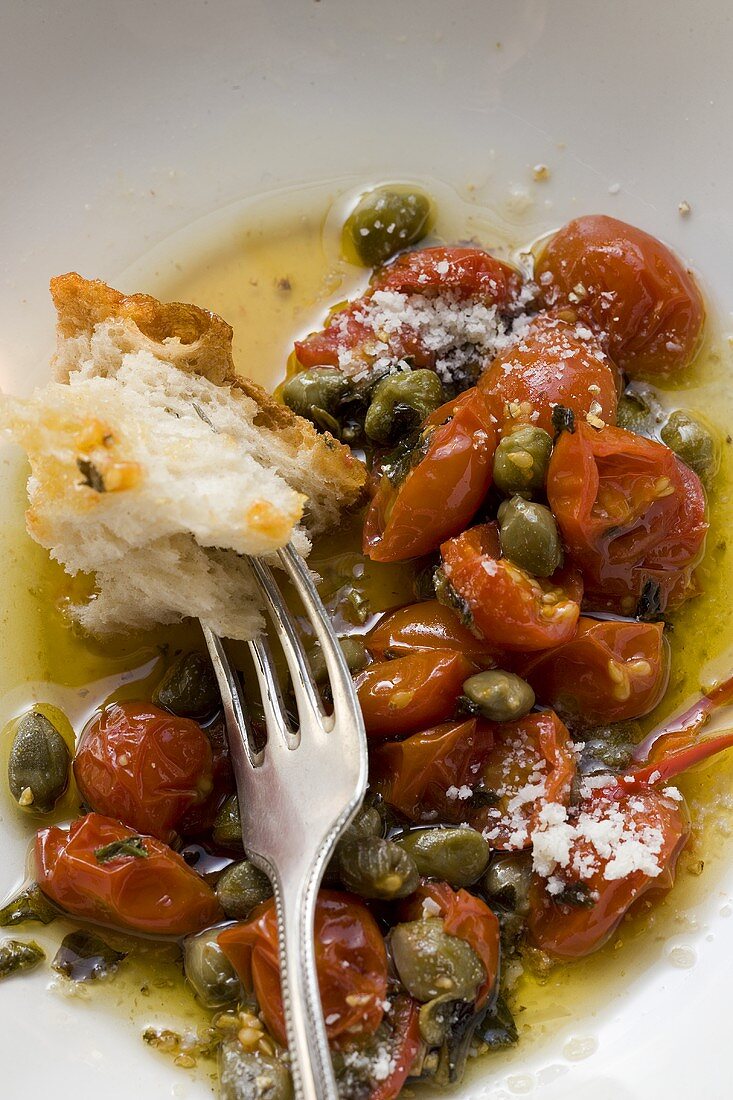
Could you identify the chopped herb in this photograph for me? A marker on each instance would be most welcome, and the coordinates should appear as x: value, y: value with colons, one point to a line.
x: 118, y: 849
x: 576, y: 894
x: 447, y: 595
x: 31, y: 904
x: 563, y: 419
x: 15, y: 956
x: 649, y: 607
x: 84, y: 957
x: 497, y: 1029
x: 200, y: 413
x: 92, y: 477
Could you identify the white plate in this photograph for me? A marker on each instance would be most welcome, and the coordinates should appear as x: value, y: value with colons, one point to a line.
x: 126, y: 122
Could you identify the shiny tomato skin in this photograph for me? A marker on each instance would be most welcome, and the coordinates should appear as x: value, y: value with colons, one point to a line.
x: 415, y: 775
x: 426, y: 626
x: 412, y: 692
x: 404, y: 1045
x: 467, y: 272
x: 442, y: 493
x: 611, y: 671
x: 629, y: 512
x: 159, y: 895
x: 550, y: 365
x: 509, y: 608
x: 351, y: 961
x: 533, y: 751
x: 630, y: 288
x: 465, y: 916
x: 573, y: 931
x: 144, y: 766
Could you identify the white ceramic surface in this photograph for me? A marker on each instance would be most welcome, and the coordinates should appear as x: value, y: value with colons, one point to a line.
x: 124, y: 122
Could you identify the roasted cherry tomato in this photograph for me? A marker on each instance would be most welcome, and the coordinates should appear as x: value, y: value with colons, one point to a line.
x: 200, y: 818
x: 351, y: 961
x: 649, y: 822
x: 348, y: 334
x: 629, y: 287
x: 631, y: 514
x: 426, y: 626
x: 430, y: 776
x: 611, y: 671
x: 507, y: 606
x: 403, y: 1044
x: 464, y: 916
x: 443, y: 491
x: 468, y: 272
x: 552, y: 363
x: 144, y: 766
x: 531, y: 763
x: 411, y: 692
x: 104, y: 872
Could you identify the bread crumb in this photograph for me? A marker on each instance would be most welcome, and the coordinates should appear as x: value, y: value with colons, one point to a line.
x: 684, y: 208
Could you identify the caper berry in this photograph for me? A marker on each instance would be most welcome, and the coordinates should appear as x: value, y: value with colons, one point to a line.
x: 507, y: 882
x: 500, y: 696
x: 189, y: 688
x: 385, y: 221
x: 209, y: 971
x: 456, y: 856
x: 354, y: 650
x: 244, y: 1075
x: 240, y: 888
x: 400, y: 403
x: 373, y: 867
x: 692, y: 442
x: 18, y: 955
x: 521, y: 460
x: 227, y: 829
x: 431, y: 963
x: 38, y: 768
x: 529, y: 536
x: 317, y: 395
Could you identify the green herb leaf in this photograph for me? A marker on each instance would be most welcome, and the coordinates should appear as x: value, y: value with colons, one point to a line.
x: 84, y: 956
x: 118, y: 849
x: 563, y: 419
x: 92, y: 477
x: 15, y: 955
x: 31, y: 904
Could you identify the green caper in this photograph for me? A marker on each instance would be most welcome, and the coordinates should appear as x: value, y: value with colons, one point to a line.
x: 17, y: 955
x: 692, y: 442
x: 353, y: 649
x: 209, y: 971
x: 500, y: 696
x: 529, y: 536
x: 376, y: 868
x: 317, y: 395
x: 251, y: 1076
x: 456, y: 856
x: 400, y: 403
x: 508, y: 880
x: 431, y: 963
x: 38, y: 768
x: 189, y: 688
x: 31, y: 904
x: 521, y: 460
x: 385, y: 221
x: 227, y: 829
x: 240, y: 888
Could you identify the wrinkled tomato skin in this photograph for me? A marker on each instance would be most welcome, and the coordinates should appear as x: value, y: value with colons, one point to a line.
x: 465, y: 916
x: 611, y: 671
x: 442, y: 493
x: 159, y: 895
x: 413, y: 692
x: 200, y: 818
x: 144, y: 766
x: 573, y: 931
x: 630, y: 288
x: 629, y: 512
x: 551, y: 365
x: 467, y: 272
x: 405, y: 1021
x: 415, y: 775
x: 351, y: 961
x: 509, y: 608
x: 426, y: 626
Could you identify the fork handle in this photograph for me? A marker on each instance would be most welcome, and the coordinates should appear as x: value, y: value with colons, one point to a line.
x: 312, y: 1072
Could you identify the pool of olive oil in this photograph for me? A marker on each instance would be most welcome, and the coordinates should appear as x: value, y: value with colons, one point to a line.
x: 272, y: 268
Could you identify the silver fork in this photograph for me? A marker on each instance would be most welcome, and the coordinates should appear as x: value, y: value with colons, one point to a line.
x: 296, y: 797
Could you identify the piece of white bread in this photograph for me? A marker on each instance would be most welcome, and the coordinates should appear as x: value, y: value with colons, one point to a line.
x: 154, y: 466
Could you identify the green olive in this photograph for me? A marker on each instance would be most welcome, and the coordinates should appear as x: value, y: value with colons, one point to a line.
x: 317, y: 394
x: 500, y: 696
x: 376, y: 868
x: 384, y: 222
x: 692, y: 442
x: 18, y: 955
x: 456, y: 856
x: 353, y: 649
x: 227, y: 829
x: 38, y: 768
x: 529, y: 536
x: 400, y: 403
x: 430, y: 963
x: 521, y: 460
x: 508, y: 880
x: 240, y: 888
x: 209, y: 971
x: 251, y: 1076
x: 189, y: 688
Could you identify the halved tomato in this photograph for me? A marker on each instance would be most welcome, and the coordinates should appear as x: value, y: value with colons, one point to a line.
x: 429, y: 625
x: 411, y: 692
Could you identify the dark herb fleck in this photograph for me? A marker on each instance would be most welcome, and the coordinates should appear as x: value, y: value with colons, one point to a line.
x: 649, y: 607
x: 202, y: 415
x: 92, y: 477
x: 563, y: 419
x: 118, y: 849
x: 576, y: 894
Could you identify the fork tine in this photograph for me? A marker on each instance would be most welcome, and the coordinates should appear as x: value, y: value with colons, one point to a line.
x: 239, y: 728
x: 276, y: 721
